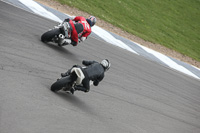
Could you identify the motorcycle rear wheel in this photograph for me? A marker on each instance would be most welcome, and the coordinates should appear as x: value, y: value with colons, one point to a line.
x: 60, y: 83
x: 49, y: 35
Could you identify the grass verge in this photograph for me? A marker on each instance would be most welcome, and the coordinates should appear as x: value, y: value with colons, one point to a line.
x: 173, y: 24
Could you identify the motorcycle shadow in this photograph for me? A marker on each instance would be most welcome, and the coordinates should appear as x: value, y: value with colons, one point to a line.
x: 61, y: 50
x: 76, y: 101
x: 55, y: 46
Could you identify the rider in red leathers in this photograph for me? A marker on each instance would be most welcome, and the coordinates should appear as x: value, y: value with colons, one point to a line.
x: 81, y: 29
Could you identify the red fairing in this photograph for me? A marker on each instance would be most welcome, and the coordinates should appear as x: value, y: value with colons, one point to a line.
x: 74, y: 34
x: 87, y: 29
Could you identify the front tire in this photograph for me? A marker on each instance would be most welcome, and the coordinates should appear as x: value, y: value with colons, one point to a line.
x: 59, y: 84
x: 49, y: 35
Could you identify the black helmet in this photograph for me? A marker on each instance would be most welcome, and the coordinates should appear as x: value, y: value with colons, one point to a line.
x: 91, y: 20
x: 106, y: 64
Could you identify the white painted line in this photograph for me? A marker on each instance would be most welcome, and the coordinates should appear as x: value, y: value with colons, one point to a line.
x: 196, y: 67
x: 169, y: 62
x: 35, y: 7
x: 110, y: 39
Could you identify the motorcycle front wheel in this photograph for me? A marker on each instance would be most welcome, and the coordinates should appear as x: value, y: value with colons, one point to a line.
x: 49, y: 35
x: 60, y: 83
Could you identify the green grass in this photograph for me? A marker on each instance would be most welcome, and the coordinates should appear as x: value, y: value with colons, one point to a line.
x: 172, y: 23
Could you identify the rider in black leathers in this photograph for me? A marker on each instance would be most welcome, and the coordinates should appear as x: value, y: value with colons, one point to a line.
x: 93, y: 71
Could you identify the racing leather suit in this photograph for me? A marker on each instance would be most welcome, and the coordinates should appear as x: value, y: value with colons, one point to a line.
x: 86, y: 27
x: 80, y: 29
x: 93, y: 71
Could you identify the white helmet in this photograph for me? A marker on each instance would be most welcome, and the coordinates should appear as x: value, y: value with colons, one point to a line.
x: 106, y: 64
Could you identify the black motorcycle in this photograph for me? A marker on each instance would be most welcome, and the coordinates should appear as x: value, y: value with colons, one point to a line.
x: 63, y: 30
x: 69, y: 81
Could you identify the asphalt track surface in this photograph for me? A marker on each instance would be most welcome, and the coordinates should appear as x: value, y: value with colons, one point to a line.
x: 136, y: 96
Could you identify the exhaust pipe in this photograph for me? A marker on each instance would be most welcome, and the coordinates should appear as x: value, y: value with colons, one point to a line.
x: 61, y: 36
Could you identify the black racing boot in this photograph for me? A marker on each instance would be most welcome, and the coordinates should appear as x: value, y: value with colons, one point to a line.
x: 72, y: 90
x: 66, y: 73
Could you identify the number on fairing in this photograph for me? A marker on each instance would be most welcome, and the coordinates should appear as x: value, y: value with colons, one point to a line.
x: 86, y: 25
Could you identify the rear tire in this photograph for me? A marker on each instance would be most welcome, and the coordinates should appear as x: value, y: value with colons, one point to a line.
x: 59, y: 84
x: 49, y: 35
